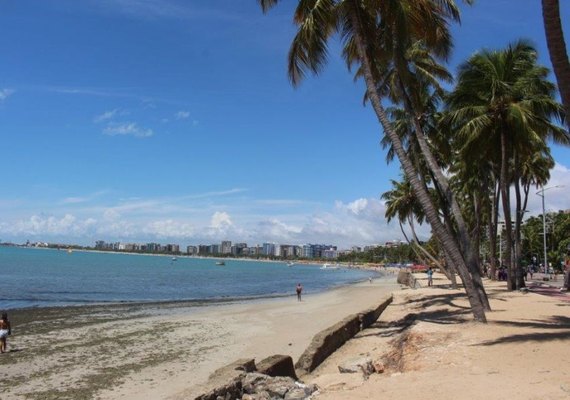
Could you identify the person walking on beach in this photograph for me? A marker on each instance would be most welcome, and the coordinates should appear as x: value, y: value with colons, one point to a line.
x: 429, y: 273
x: 5, y: 330
x: 299, y: 291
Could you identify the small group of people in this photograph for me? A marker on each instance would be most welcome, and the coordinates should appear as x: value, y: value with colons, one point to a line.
x: 5, y: 331
x: 502, y: 274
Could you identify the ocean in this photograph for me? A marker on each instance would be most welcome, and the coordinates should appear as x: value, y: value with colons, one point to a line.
x: 44, y: 278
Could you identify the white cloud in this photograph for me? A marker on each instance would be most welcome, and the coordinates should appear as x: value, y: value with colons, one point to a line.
x: 220, y: 219
x: 182, y: 115
x: 128, y: 128
x: 74, y: 200
x: 5, y: 93
x: 169, y: 228
x: 68, y: 225
x: 106, y: 116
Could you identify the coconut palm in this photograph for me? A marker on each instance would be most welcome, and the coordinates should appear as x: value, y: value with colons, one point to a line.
x: 402, y: 203
x: 398, y: 24
x: 557, y: 49
x: 503, y: 98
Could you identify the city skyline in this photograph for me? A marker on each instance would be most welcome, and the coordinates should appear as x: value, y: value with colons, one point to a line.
x: 174, y: 121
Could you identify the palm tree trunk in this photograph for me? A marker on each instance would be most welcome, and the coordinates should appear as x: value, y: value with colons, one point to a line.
x: 445, y: 238
x: 492, y: 231
x: 520, y: 283
x: 557, y: 50
x: 507, y: 211
x: 449, y: 274
x: 443, y: 184
x: 411, y: 244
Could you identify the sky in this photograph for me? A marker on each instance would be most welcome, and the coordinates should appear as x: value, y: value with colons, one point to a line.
x: 174, y: 121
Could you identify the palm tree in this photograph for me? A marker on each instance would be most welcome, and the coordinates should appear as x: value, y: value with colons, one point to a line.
x: 557, y: 50
x: 401, y: 202
x: 503, y: 98
x: 376, y: 33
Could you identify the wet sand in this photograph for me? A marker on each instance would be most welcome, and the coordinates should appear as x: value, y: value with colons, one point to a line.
x: 161, y: 350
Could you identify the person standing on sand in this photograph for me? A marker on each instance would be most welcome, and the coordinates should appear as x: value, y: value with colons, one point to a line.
x: 566, y: 285
x: 429, y: 273
x: 5, y: 330
x: 299, y: 290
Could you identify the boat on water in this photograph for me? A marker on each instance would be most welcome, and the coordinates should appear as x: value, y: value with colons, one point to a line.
x: 69, y: 251
x: 174, y: 259
x: 328, y: 266
x: 220, y: 263
x: 290, y: 264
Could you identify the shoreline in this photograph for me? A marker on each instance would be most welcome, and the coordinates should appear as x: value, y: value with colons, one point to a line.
x: 162, y: 350
x: 193, y: 302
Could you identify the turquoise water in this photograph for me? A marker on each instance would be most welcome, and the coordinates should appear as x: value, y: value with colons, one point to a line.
x: 43, y: 278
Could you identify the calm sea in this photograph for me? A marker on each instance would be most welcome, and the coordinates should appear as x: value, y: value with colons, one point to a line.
x: 42, y: 278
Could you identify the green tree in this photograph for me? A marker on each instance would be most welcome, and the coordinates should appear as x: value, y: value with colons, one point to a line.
x: 503, y: 98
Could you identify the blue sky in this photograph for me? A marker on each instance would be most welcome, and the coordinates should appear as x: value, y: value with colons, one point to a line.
x: 174, y: 121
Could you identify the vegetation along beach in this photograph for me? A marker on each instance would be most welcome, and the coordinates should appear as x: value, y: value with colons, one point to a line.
x: 342, y: 199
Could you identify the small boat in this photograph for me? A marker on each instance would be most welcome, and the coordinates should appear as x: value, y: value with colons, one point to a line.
x: 290, y: 264
x: 325, y: 266
x: 69, y: 251
x: 220, y: 263
x: 174, y: 259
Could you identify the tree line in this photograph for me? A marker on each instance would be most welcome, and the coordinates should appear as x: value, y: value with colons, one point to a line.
x: 465, y: 153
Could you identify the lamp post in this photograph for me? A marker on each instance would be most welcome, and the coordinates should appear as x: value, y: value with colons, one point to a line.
x: 541, y: 194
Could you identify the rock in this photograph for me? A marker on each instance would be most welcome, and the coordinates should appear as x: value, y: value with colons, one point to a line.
x: 357, y: 365
x: 253, y: 380
x: 296, y: 394
x: 379, y: 367
x: 309, y: 389
x: 257, y: 396
x: 279, y: 386
x: 277, y: 365
x: 275, y: 387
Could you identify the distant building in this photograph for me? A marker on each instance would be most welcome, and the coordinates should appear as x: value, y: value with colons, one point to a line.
x: 329, y: 254
x: 153, y: 247
x: 268, y: 249
x: 191, y: 250
x: 238, y: 248
x: 226, y: 247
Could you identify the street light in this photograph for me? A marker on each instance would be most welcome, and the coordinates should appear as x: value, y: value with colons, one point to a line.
x: 541, y: 194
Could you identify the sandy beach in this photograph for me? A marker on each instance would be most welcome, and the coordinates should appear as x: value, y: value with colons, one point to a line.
x: 425, y: 341
x: 164, y: 350
x: 430, y: 348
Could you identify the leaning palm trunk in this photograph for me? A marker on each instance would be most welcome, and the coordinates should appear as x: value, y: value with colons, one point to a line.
x: 445, y: 238
x: 450, y: 200
x: 557, y: 50
x: 412, y: 244
x: 443, y: 184
x: 449, y: 273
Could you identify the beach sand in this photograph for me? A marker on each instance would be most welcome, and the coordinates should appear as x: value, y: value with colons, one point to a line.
x: 426, y: 342
x: 430, y: 348
x: 164, y: 350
